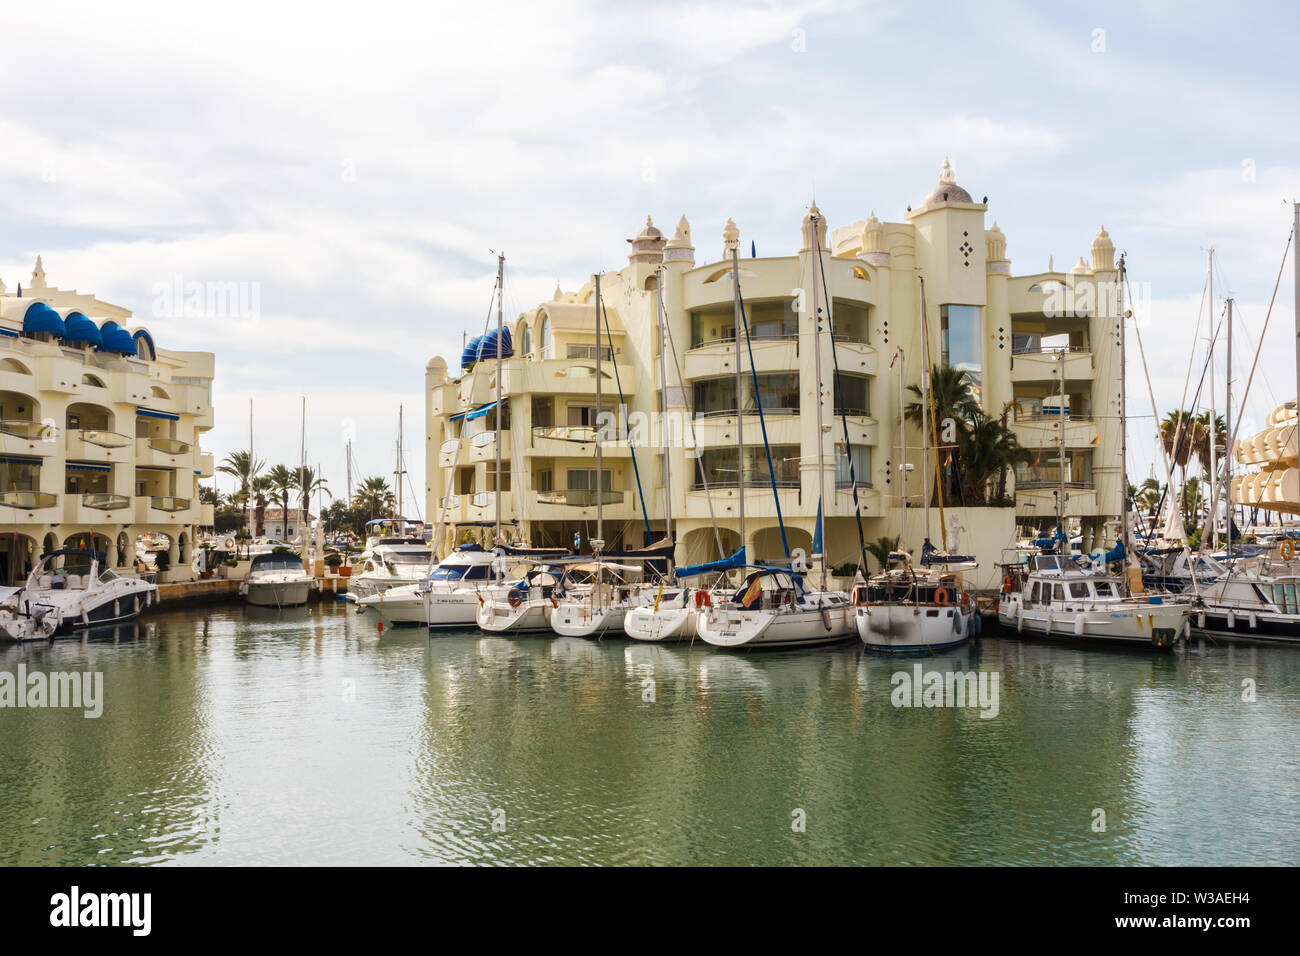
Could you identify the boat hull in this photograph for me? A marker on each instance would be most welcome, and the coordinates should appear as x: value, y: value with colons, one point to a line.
x: 666, y: 624
x: 1149, y: 624
x: 1268, y: 628
x: 900, y: 628
x: 498, y: 617
x: 583, y: 620
x: 731, y: 627
x: 276, y: 593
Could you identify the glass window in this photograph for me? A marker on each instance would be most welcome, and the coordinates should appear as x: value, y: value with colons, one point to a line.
x: 960, y: 340
x: 1078, y: 589
x: 1058, y: 593
x: 1104, y: 590
x: 545, y: 343
x: 852, y: 395
x: 860, y: 458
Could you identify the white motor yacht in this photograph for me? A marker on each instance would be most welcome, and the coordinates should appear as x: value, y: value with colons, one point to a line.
x: 1060, y: 597
x: 390, y: 563
x: 447, y: 598
x: 72, y: 589
x: 276, y: 579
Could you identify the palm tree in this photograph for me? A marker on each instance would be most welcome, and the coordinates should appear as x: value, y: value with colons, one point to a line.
x: 283, y: 481
x: 262, y: 486
x: 880, y: 549
x: 952, y: 397
x: 308, y: 484
x: 1148, y: 496
x: 242, y: 466
x: 1203, y: 439
x: 374, y: 496
x: 1181, y: 434
x: 987, y: 449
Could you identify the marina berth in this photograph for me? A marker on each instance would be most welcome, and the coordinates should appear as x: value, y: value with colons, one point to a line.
x: 906, y: 609
x: 774, y: 607
x: 70, y: 590
x: 446, y: 598
x: 277, y: 579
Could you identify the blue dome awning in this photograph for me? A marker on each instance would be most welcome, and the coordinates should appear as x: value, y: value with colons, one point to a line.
x: 470, y: 355
x: 39, y: 317
x: 81, y: 329
x: 488, y: 348
x: 116, y: 339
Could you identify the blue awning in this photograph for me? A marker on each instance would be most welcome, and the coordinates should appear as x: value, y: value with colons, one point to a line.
x: 19, y: 460
x: 116, y: 339
x: 81, y: 329
x: 84, y: 466
x: 39, y: 317
x: 9, y: 333
x: 476, y: 412
x: 150, y: 413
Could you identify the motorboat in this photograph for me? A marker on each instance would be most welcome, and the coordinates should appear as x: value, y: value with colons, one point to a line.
x: 1065, y: 598
x: 906, y: 609
x: 70, y: 589
x: 390, y: 563
x: 276, y: 579
x: 1257, y: 604
x: 774, y: 607
x: 447, y: 598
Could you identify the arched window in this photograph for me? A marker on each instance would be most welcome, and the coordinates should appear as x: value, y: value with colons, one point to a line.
x: 545, y: 343
x: 525, y: 339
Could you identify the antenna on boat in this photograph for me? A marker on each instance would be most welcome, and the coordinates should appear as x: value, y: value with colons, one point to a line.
x: 501, y: 294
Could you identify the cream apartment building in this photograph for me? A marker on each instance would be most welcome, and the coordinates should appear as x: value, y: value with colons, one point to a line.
x: 1018, y: 335
x: 99, y: 432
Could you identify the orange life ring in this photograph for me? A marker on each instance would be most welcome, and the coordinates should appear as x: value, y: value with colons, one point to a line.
x: 941, y: 596
x: 515, y: 598
x: 859, y: 594
x: 1288, y: 549
x: 702, y: 598
x: 1006, y: 584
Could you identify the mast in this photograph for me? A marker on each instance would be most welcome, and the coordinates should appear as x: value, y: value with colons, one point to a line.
x: 1227, y: 426
x: 496, y: 496
x: 740, y: 406
x: 598, y: 544
x: 1214, y: 437
x: 1060, y: 458
x: 817, y: 354
x: 663, y: 404
x: 925, y: 411
x: 1123, y: 426
x: 348, y: 452
x: 248, y: 504
x: 398, y: 473
x: 902, y: 451
x: 1295, y: 251
x: 302, y: 476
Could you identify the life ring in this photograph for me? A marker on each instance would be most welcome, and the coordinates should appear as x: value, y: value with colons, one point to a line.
x: 1006, y: 584
x: 230, y: 544
x: 965, y: 599
x: 859, y: 595
x: 515, y: 598
x: 941, y: 597
x: 1288, y: 549
x: 702, y: 598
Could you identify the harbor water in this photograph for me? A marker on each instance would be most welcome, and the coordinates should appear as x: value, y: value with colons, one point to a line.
x: 236, y: 735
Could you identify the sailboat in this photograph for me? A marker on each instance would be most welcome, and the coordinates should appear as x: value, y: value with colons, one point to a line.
x: 904, y: 608
x: 614, y: 590
x: 774, y: 606
x: 1060, y: 596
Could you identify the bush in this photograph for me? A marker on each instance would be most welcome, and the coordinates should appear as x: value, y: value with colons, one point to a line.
x: 333, y: 559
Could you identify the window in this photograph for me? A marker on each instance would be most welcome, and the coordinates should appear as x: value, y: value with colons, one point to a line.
x: 525, y: 339
x: 851, y: 321
x: 960, y: 340
x: 860, y: 458
x: 719, y: 466
x: 1058, y: 593
x: 546, y: 339
x: 1078, y: 589
x: 852, y: 395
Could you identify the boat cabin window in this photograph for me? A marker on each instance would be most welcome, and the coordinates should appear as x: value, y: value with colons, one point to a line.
x: 1104, y: 589
x: 1079, y: 589
x: 276, y: 562
x: 1284, y: 597
x: 405, y: 557
x: 1058, y: 593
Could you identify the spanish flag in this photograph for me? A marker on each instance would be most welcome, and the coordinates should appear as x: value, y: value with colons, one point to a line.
x: 753, y: 595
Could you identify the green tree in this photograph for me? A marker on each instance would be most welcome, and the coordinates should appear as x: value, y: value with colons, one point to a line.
x: 283, y: 482
x: 244, y: 468
x: 308, y: 484
x: 880, y: 549
x: 374, y: 497
x: 262, y: 486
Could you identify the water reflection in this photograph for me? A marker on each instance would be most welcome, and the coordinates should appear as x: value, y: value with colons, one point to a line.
x: 251, y: 735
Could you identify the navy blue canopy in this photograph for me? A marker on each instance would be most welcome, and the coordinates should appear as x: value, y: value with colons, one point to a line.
x: 81, y: 329
x: 39, y: 317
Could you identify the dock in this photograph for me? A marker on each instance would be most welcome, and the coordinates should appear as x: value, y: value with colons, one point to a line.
x: 220, y: 590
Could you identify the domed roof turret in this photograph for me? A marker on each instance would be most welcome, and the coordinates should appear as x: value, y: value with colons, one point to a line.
x: 947, y: 190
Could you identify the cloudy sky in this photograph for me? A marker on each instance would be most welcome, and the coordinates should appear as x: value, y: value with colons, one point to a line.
x: 354, y: 164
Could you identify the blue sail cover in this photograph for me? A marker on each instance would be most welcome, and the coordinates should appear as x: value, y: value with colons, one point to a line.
x: 1114, y: 554
x: 1048, y: 542
x: 737, y: 560
x: 817, y: 546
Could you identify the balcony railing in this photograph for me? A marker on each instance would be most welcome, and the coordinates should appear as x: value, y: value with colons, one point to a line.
x: 579, y: 497
x: 101, y: 501
x: 449, y: 501
x: 753, y: 337
x: 483, y: 438
x: 751, y: 410
x: 581, y: 433
x: 28, y: 499
x: 449, y: 446
x: 724, y: 480
x: 1046, y: 484
x: 104, y: 439
x: 33, y: 431
x: 589, y: 352
x: 168, y: 503
x: 169, y: 446
x: 1041, y: 350
x: 852, y: 412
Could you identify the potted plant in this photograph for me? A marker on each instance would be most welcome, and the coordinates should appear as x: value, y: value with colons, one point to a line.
x: 332, y: 561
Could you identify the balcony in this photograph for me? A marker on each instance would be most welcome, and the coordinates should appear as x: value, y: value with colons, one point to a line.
x: 1038, y: 499
x: 207, y: 515
x: 759, y: 502
x: 1045, y: 366
x: 205, y: 465
x: 163, y: 509
x: 448, y: 453
x: 96, y: 508
x: 483, y: 506
x: 91, y: 444
x: 580, y: 504
x: 28, y: 438
x: 578, y: 441
x: 483, y: 446
x: 163, y: 453
x: 1043, y: 431
x: 576, y: 376
x: 854, y: 355
x: 718, y: 428
x: 17, y: 507
x: 708, y: 359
